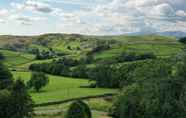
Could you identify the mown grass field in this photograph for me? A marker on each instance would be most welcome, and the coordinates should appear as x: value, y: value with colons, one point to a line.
x: 61, y: 88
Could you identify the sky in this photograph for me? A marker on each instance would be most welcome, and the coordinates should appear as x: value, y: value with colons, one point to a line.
x: 92, y: 17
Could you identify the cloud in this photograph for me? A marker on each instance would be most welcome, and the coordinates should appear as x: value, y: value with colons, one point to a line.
x: 33, y: 5
x: 181, y: 13
x: 163, y: 10
x: 2, y: 21
x: 26, y: 20
x: 141, y: 15
x: 101, y: 17
x: 3, y: 12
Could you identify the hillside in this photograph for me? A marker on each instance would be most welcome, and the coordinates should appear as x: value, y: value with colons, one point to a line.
x: 72, y: 60
x: 76, y: 46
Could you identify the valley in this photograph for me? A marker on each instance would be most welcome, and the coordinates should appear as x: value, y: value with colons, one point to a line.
x: 71, y: 62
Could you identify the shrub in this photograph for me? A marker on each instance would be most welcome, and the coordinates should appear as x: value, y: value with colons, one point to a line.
x: 79, y: 109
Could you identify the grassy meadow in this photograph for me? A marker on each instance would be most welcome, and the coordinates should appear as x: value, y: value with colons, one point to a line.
x: 62, y: 88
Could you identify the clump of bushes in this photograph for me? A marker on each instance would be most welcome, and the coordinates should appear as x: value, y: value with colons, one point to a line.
x: 41, y: 55
x: 133, y: 56
x: 79, y: 109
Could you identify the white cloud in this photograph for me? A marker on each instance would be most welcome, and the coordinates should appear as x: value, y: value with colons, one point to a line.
x: 112, y: 17
x: 26, y: 20
x: 33, y: 5
x: 163, y: 10
x: 2, y: 21
x: 140, y: 15
x: 3, y: 12
x: 181, y: 13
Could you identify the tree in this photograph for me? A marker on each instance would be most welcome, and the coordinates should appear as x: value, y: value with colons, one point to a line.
x: 80, y: 71
x: 127, y: 103
x: 1, y: 57
x: 5, y: 77
x: 15, y: 102
x: 183, y: 40
x: 133, y: 56
x: 79, y: 109
x: 159, y: 92
x: 5, y: 97
x: 103, y: 75
x: 37, y: 81
x: 21, y: 101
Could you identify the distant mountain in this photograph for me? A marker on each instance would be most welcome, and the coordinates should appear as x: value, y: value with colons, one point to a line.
x: 177, y: 34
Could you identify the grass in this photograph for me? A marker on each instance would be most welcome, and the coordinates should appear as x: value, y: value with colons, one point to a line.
x: 159, y: 45
x: 61, y: 88
x: 95, y: 114
x: 13, y: 58
x: 157, y: 49
x: 26, y: 65
x: 98, y: 106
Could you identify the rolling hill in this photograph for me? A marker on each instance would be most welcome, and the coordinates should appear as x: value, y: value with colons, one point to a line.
x: 18, y: 50
x: 22, y: 51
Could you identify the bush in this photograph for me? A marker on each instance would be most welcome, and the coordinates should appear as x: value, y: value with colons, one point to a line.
x: 79, y: 109
x: 37, y: 81
x: 45, y: 55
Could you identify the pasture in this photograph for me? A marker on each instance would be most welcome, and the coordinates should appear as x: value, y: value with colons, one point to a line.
x: 61, y: 88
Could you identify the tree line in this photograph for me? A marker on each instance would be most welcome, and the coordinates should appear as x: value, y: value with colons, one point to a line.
x: 77, y: 68
x: 158, y: 90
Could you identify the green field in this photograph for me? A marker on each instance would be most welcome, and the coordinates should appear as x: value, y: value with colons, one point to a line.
x: 161, y: 46
x: 13, y: 59
x: 99, y: 107
x: 61, y: 88
x: 76, y: 47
